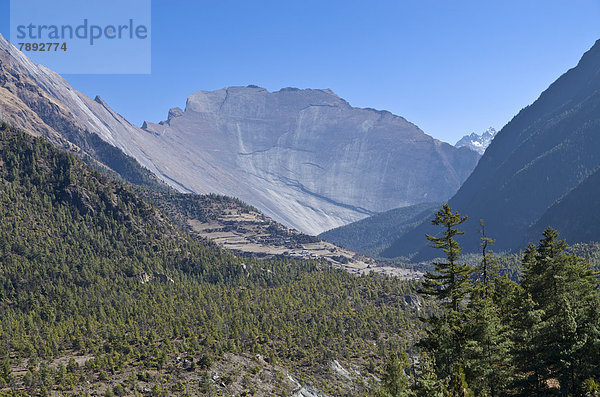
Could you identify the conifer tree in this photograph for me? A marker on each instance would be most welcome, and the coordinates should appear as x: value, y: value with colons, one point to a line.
x: 395, y: 381
x: 450, y: 283
x: 458, y: 384
x: 428, y: 384
x: 488, y: 266
x: 562, y: 291
x: 487, y: 357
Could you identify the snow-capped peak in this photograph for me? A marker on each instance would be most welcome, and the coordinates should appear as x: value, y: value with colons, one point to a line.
x: 477, y: 142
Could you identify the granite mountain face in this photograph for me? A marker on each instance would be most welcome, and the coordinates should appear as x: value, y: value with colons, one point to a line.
x: 540, y: 157
x: 306, y: 158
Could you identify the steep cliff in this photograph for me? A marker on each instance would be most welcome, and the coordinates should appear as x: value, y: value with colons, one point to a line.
x: 304, y: 157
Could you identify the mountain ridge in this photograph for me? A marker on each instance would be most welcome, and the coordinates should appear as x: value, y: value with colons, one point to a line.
x: 233, y: 113
x: 544, y: 152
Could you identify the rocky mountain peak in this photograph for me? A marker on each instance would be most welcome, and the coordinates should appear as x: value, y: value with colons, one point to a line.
x: 305, y: 157
x: 252, y: 100
x: 174, y: 112
x: 477, y: 142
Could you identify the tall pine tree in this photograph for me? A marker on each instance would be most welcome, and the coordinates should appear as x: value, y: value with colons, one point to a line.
x: 450, y: 282
x: 450, y: 285
x: 487, y: 358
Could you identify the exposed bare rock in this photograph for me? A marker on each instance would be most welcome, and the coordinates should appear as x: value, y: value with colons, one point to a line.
x: 306, y: 158
x: 478, y: 142
x: 175, y: 112
x: 154, y: 128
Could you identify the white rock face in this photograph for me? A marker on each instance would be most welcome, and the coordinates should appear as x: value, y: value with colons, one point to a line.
x: 477, y: 142
x: 305, y: 158
x: 68, y: 103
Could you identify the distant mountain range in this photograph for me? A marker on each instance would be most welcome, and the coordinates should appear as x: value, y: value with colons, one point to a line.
x: 306, y: 158
x: 540, y: 170
x: 477, y: 142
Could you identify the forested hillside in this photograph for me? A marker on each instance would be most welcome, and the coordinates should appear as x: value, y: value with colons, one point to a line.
x: 372, y: 235
x: 91, y: 272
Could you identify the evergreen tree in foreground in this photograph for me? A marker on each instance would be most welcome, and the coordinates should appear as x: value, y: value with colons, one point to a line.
x: 450, y: 285
x: 395, y: 382
x: 427, y: 383
x: 487, y: 357
x: 560, y: 318
x: 495, y: 337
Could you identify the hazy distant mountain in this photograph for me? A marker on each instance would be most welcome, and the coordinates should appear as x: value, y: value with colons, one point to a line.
x: 543, y: 153
x: 477, y: 142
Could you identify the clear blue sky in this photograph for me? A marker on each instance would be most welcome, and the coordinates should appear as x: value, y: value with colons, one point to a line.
x: 451, y: 67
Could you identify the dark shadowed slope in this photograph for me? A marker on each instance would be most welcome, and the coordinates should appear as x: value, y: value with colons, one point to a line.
x: 540, y: 155
x: 576, y: 216
x: 372, y: 235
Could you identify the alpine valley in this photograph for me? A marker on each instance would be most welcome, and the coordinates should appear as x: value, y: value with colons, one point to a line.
x: 263, y: 243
